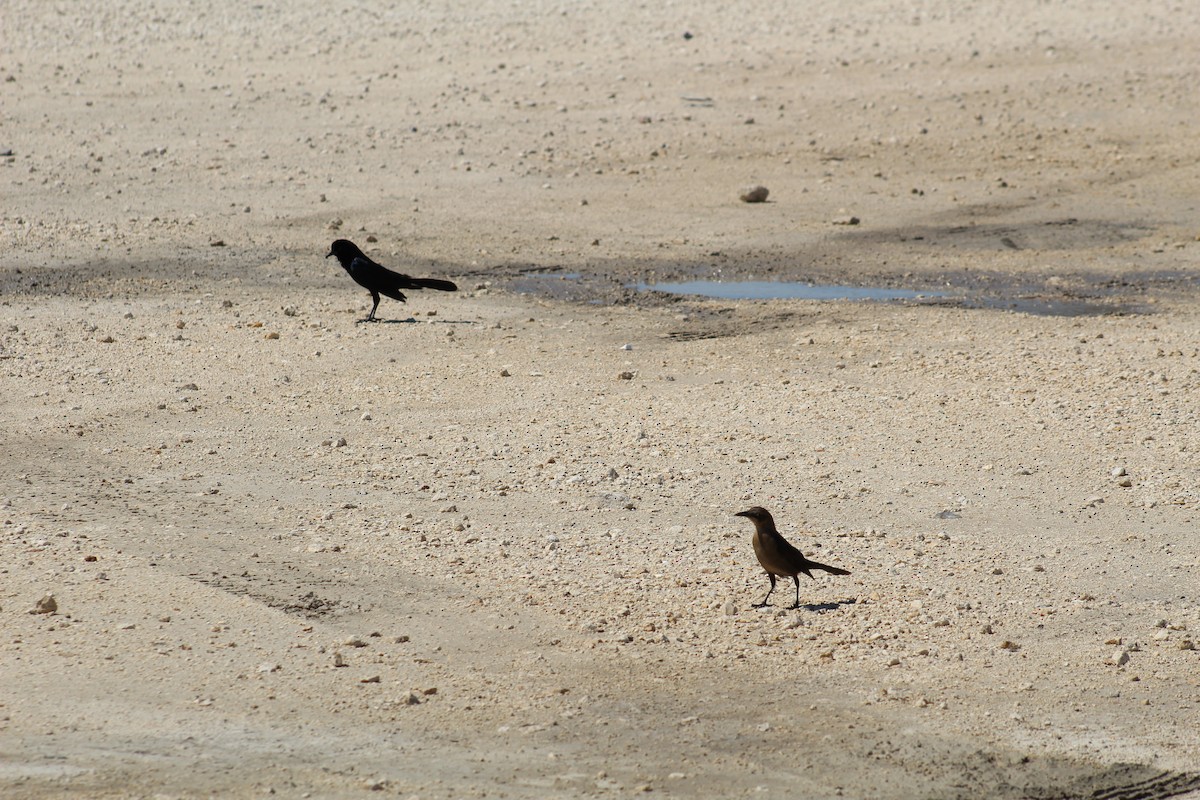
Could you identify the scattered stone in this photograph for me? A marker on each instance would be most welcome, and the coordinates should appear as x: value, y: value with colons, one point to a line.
x: 269, y: 666
x: 1186, y: 644
x: 754, y: 194
x: 372, y: 679
x: 1010, y: 646
x: 625, y: 376
x: 729, y: 608
x: 1120, y: 658
x: 46, y: 605
x: 411, y: 699
x: 339, y: 660
x: 845, y: 220
x: 504, y: 373
x: 366, y: 416
x: 355, y: 641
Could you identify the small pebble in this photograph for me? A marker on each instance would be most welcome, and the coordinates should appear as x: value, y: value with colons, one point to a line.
x: 46, y: 605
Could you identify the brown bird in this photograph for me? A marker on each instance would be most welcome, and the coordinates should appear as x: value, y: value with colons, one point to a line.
x: 777, y: 555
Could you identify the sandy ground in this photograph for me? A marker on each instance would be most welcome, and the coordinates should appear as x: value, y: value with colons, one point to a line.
x: 486, y: 548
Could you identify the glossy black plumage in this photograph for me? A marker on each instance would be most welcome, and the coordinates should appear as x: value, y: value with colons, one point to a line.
x: 378, y: 279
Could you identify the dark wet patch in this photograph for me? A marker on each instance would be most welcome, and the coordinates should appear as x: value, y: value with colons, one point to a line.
x: 1122, y: 782
x: 285, y: 596
x: 782, y: 290
x: 1069, y: 295
x: 1054, y: 235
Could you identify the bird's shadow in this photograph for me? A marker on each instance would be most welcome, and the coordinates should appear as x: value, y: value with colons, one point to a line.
x: 823, y: 607
x: 820, y: 608
x: 414, y: 321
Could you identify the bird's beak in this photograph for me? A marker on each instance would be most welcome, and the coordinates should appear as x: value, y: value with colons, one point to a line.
x: 327, y: 255
x: 742, y: 514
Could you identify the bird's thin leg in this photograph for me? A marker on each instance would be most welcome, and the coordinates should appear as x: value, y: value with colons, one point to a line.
x: 796, y: 578
x: 764, y: 600
x: 371, y: 316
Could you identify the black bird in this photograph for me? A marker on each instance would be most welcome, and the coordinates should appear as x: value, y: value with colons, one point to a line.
x: 777, y: 555
x: 378, y: 279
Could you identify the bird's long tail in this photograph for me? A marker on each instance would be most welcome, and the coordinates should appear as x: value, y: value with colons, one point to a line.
x: 435, y: 283
x: 829, y: 569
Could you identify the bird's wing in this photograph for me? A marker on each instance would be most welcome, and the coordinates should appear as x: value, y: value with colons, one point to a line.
x: 793, y: 557
x: 378, y: 278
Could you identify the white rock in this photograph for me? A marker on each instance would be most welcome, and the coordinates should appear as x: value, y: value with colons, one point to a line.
x: 45, y: 605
